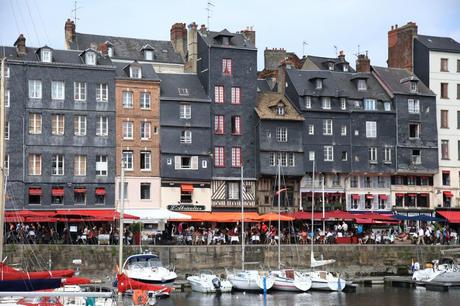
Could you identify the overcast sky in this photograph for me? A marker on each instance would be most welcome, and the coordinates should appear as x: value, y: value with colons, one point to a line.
x: 322, y: 24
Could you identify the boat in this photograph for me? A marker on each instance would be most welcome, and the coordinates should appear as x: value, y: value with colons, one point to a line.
x: 148, y: 268
x: 243, y: 279
x: 444, y: 270
x: 208, y: 282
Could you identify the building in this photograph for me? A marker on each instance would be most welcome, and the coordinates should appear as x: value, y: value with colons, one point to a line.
x: 436, y: 61
x: 186, y: 152
x: 60, y: 128
x: 416, y: 140
x: 327, y: 63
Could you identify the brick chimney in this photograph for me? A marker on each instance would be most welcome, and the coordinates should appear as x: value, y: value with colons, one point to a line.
x: 192, y: 48
x: 341, y: 56
x: 203, y: 29
x: 179, y: 38
x: 281, y: 78
x: 363, y: 63
x: 69, y: 30
x: 250, y: 35
x: 20, y: 45
x: 400, y: 46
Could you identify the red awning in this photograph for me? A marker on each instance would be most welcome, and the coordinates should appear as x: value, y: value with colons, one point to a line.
x: 369, y: 196
x: 424, y: 194
x: 35, y: 191
x: 229, y: 217
x: 57, y: 192
x: 67, y: 215
x: 374, y: 216
x: 383, y: 197
x: 186, y: 188
x: 445, y: 171
x: 355, y: 196
x: 448, y: 194
x: 79, y: 190
x: 451, y: 216
x: 400, y: 195
x: 100, y: 191
x: 411, y: 194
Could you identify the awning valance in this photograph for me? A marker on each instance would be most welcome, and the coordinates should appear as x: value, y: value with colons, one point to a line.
x: 57, y: 192
x: 355, y: 196
x: 35, y: 191
x: 369, y: 196
x: 80, y: 190
x: 448, y: 194
x: 100, y: 191
x: 451, y: 216
x: 383, y: 197
x: 400, y: 195
x: 186, y: 188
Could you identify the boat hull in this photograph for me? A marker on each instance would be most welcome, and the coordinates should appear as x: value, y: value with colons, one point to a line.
x: 30, y: 284
x: 325, y: 281
x: 251, y: 281
x: 206, y: 285
x: 284, y: 284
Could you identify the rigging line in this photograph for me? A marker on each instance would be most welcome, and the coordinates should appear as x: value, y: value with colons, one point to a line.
x: 22, y: 20
x: 14, y: 15
x: 33, y: 23
x: 42, y: 23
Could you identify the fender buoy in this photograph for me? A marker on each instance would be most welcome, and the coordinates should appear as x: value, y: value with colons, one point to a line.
x: 140, y: 297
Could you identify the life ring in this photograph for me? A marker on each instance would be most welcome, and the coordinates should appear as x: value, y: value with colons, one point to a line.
x: 140, y: 297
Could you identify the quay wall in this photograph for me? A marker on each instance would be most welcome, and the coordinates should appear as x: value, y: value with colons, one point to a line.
x: 352, y: 260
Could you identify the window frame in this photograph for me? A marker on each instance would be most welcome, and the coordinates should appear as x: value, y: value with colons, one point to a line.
x: 79, y: 91
x: 145, y: 100
x: 101, y: 167
x: 227, y: 66
x: 236, y: 125
x: 127, y: 99
x: 145, y: 159
x: 37, y: 123
x: 57, y: 124
x: 80, y: 125
x: 57, y: 165
x: 80, y: 165
x: 371, y: 129
x: 186, y: 137
x: 102, y: 92
x: 328, y: 153
x: 185, y: 111
x: 102, y: 126
x: 219, y: 156
x: 219, y: 96
x: 237, y: 157
x: 90, y: 58
x: 328, y: 127
x: 128, y: 160
x: 326, y: 102
x: 281, y: 134
x: 235, y: 95
x: 145, y: 130
x: 35, y: 89
x: 128, y: 130
x: 57, y: 92
x: 34, y: 164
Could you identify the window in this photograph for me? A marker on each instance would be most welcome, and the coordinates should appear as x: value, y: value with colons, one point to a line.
x: 145, y: 191
x: 7, y: 98
x: 57, y: 90
x: 280, y: 110
x: 444, y: 119
x: 236, y: 125
x: 353, y: 182
x: 219, y: 94
x: 45, y: 55
x: 281, y: 134
x: 387, y: 155
x: 344, y: 155
x: 57, y: 124
x: 236, y: 95
x: 343, y: 103
x: 413, y: 106
x: 458, y: 91
x: 311, y: 155
x: 343, y: 130
x: 367, y: 182
x: 373, y: 155
x: 413, y: 86
x: 458, y: 119
x: 183, y: 92
x: 233, y: 190
x: 102, y: 92
x: 236, y: 157
x: 127, y: 99
x: 101, y: 165
x: 35, y: 164
x: 416, y: 157
x: 387, y: 106
x: 331, y: 66
x: 444, y: 149
x: 145, y: 130
x: 458, y: 149
x: 6, y: 166
x: 328, y: 153
x: 218, y: 124
x: 110, y: 51
x: 445, y: 178
x: 319, y: 84
x: 35, y: 89
x: 148, y: 55
x: 458, y: 65
x: 326, y: 103
x: 186, y: 136
x: 219, y: 157
x: 414, y: 130
x: 135, y: 72
x: 146, y: 160
x: 227, y: 66
x: 371, y: 129
x: 444, y: 91
x: 128, y: 160
x: 145, y: 100
x: 327, y: 127
x: 7, y: 130
x: 185, y: 111
x: 362, y: 85
x: 308, y: 102
x: 100, y: 196
x: 79, y: 91
x: 127, y: 130
x: 90, y: 58
x: 345, y: 67
x: 370, y: 104
x: 35, y: 123
x: 186, y: 162
x: 284, y: 159
x: 57, y: 195
x: 102, y: 126
x: 444, y: 64
x: 79, y: 165
x: 79, y: 196
x: 79, y: 125
x: 311, y: 129
x: 57, y: 164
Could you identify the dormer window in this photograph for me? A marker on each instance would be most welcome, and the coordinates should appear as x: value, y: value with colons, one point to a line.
x: 135, y: 72
x: 45, y: 55
x: 345, y: 67
x: 90, y: 58
x: 319, y: 84
x: 280, y: 110
x: 362, y: 85
x: 110, y: 51
x: 148, y: 55
x: 331, y: 66
x: 183, y: 91
x: 413, y: 86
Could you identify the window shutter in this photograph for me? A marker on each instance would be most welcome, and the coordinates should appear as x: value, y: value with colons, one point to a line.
x: 177, y: 164
x: 194, y: 163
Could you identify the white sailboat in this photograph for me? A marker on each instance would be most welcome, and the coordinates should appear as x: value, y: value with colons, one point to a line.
x: 287, y: 279
x: 208, y: 282
x: 444, y: 270
x: 252, y: 280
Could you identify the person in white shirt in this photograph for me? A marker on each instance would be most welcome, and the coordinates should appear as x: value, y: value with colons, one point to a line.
x: 344, y: 227
x: 421, y: 233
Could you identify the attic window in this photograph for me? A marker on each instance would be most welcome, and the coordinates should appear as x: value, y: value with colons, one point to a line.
x: 362, y: 84
x: 319, y: 84
x: 331, y: 66
x: 90, y: 58
x: 45, y: 55
x: 183, y: 91
x: 280, y: 110
x: 413, y: 86
x: 135, y: 72
x: 148, y: 55
x: 345, y: 67
x: 110, y: 51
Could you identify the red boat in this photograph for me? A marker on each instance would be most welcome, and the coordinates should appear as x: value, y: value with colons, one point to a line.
x: 9, y: 273
x: 125, y: 283
x: 42, y: 301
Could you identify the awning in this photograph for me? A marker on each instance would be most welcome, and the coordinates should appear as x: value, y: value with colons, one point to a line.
x: 445, y: 171
x: 451, y: 216
x: 328, y: 215
x: 186, y: 188
x: 374, y: 216
x: 100, y: 191
x: 79, y: 190
x: 274, y: 217
x: 220, y: 217
x: 400, y: 195
x: 57, y: 192
x: 411, y: 194
x: 156, y: 215
x: 369, y: 196
x: 424, y: 194
x: 383, y: 197
x: 355, y: 196
x: 35, y: 191
x: 448, y: 194
x: 67, y: 215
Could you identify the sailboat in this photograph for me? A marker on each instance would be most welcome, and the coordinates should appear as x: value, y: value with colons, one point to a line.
x: 321, y: 280
x: 252, y: 280
x: 287, y: 279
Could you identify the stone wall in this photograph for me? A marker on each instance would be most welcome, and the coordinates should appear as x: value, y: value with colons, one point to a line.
x: 352, y: 260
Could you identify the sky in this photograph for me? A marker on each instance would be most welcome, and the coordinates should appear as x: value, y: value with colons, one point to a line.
x: 324, y: 25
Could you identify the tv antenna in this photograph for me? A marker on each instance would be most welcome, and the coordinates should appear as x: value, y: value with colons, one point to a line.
x: 335, y: 48
x: 304, y: 44
x: 74, y: 11
x: 359, y: 51
x: 209, y: 9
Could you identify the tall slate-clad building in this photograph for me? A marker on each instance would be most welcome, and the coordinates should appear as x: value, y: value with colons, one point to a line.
x: 57, y: 155
x: 227, y: 68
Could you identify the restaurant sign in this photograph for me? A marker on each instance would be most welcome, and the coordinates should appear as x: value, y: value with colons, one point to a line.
x: 186, y: 207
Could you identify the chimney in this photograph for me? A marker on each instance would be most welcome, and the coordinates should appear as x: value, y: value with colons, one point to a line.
x: 203, y: 29
x: 341, y: 56
x: 69, y: 30
x: 192, y: 48
x: 20, y: 45
x: 363, y: 63
x: 273, y: 58
x: 179, y: 38
x: 250, y: 35
x: 281, y: 78
x: 400, y: 46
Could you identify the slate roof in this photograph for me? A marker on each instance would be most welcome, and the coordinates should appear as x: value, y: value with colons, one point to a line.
x: 171, y: 82
x: 148, y: 73
x: 129, y: 48
x: 236, y: 40
x: 398, y: 81
x: 262, y: 85
x: 267, y: 103
x: 437, y: 43
x: 322, y: 63
x: 73, y: 57
x: 335, y: 84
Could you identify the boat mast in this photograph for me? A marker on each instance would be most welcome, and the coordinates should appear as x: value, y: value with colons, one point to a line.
x: 2, y: 155
x: 242, y: 221
x: 312, y: 207
x: 324, y: 221
x: 279, y: 215
x: 122, y: 209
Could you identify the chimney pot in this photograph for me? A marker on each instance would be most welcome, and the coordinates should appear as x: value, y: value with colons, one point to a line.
x: 20, y: 45
x: 69, y: 30
x: 363, y: 63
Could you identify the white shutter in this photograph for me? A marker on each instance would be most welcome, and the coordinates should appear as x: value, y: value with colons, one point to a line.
x: 194, y: 163
x: 177, y: 164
